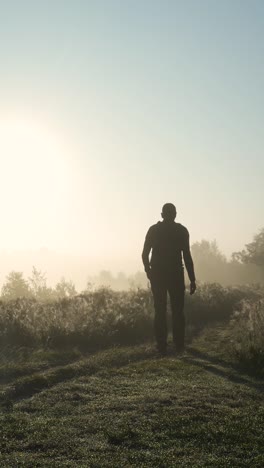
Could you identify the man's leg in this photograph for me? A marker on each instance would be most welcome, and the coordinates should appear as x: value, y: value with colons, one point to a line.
x: 159, y: 291
x: 177, y: 292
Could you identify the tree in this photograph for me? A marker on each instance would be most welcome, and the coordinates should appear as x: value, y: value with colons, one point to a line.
x: 138, y: 280
x: 105, y: 278
x: 65, y: 289
x: 253, y: 252
x: 209, y: 262
x: 208, y: 251
x: 15, y: 286
x: 38, y: 285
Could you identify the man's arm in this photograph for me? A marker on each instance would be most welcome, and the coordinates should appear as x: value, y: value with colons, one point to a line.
x: 146, y: 251
x: 188, y: 261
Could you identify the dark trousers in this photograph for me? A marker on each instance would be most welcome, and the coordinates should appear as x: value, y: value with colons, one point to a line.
x: 161, y: 285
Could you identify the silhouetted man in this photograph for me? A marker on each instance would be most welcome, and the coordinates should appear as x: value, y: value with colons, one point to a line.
x: 168, y: 241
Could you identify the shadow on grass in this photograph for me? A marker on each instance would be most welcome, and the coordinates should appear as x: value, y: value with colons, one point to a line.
x: 23, y: 362
x: 29, y: 386
x: 221, y: 368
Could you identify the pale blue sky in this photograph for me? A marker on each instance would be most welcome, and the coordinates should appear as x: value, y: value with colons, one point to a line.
x: 154, y: 101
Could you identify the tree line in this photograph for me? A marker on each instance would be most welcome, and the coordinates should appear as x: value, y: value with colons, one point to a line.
x: 211, y: 265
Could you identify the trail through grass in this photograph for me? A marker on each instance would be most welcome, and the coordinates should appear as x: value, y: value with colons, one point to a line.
x: 126, y: 407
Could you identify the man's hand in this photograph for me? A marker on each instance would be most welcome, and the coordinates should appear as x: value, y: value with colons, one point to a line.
x: 192, y: 287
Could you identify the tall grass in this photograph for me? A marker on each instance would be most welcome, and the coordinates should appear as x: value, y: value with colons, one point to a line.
x: 105, y: 317
x: 93, y: 320
x: 247, y: 334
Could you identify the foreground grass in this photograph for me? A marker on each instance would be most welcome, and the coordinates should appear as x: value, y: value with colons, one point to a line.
x: 127, y: 407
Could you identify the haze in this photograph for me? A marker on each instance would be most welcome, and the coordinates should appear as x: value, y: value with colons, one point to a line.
x: 110, y: 109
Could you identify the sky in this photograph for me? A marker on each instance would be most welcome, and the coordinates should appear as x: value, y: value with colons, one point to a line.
x: 110, y: 108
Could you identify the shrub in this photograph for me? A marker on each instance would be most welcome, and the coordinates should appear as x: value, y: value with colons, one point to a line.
x: 247, y: 334
x: 105, y: 317
x: 215, y: 303
x: 94, y: 320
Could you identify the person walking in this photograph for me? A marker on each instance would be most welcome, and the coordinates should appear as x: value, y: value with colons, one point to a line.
x: 168, y: 243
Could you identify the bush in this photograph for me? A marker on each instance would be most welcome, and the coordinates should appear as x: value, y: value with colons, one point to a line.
x: 247, y: 334
x: 215, y: 303
x: 94, y: 320
x: 105, y: 317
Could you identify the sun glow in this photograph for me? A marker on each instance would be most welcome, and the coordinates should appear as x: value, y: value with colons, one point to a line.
x: 34, y: 182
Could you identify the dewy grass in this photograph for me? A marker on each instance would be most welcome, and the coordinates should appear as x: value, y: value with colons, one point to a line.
x: 126, y: 407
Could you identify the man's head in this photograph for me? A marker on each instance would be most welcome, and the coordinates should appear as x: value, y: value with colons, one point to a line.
x: 168, y: 212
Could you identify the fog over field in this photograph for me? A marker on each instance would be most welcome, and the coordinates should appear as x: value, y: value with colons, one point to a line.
x: 211, y: 265
x: 58, y: 264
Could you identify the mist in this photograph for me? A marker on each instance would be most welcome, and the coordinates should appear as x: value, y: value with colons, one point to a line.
x: 211, y: 266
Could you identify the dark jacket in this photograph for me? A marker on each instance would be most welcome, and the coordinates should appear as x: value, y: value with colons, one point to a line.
x: 169, y: 246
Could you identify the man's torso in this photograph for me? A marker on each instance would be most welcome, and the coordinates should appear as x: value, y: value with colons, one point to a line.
x: 167, y: 241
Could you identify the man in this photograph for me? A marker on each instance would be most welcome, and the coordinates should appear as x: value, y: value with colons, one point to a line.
x: 168, y: 241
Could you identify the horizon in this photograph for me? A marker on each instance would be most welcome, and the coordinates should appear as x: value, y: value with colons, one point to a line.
x: 73, y: 266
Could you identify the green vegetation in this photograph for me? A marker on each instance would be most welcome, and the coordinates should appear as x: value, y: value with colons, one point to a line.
x: 126, y: 407
x: 81, y: 384
x: 254, y: 251
x: 35, y: 287
x: 104, y: 318
x: 247, y: 334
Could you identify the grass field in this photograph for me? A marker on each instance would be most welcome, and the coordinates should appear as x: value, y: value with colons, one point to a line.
x: 126, y: 407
